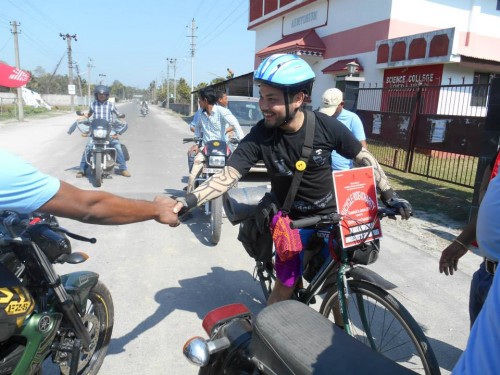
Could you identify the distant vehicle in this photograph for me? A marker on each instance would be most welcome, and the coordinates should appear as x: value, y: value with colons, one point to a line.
x: 247, y: 112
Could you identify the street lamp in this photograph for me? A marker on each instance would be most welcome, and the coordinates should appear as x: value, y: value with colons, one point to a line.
x: 101, y: 79
x: 352, y: 67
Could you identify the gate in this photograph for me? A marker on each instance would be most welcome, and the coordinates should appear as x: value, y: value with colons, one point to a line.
x: 432, y: 131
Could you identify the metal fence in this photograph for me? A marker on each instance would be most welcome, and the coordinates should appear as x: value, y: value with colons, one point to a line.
x: 432, y: 131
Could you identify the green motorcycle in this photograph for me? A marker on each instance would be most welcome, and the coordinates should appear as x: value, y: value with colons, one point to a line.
x: 68, y: 317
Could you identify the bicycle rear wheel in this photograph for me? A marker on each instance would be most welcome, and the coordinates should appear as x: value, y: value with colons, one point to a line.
x: 381, y: 322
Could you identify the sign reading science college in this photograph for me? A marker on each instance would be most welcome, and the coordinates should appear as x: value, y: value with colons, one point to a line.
x: 427, y: 75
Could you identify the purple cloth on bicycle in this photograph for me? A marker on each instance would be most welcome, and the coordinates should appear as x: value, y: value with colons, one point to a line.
x: 289, y: 271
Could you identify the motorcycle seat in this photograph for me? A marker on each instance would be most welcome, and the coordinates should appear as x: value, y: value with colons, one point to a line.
x: 292, y: 338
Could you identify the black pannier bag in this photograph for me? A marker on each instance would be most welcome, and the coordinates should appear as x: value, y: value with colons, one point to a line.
x: 252, y: 211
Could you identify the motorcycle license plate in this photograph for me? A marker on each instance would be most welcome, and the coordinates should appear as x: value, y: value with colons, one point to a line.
x: 212, y: 170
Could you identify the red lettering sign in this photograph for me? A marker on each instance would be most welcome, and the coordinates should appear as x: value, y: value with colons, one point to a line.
x: 356, y: 198
x: 413, y: 76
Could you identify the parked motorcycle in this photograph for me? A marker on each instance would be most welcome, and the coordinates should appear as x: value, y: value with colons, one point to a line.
x: 216, y: 154
x: 101, y: 157
x: 284, y: 338
x: 68, y: 317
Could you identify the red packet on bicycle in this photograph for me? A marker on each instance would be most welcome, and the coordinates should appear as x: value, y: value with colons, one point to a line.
x: 356, y: 197
x: 286, y: 240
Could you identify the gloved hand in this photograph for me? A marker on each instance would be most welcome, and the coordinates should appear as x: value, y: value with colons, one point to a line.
x: 184, y: 206
x: 402, y: 205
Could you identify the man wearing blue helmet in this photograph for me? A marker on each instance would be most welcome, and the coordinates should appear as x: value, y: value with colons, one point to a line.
x: 285, y: 81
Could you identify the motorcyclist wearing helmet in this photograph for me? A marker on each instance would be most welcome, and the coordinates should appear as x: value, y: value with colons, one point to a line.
x: 285, y: 80
x: 102, y: 108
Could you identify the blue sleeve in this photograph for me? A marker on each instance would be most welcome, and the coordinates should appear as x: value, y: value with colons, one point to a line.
x: 22, y: 187
x: 357, y: 128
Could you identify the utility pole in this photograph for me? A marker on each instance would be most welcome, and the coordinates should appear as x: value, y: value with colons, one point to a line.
x: 168, y: 85
x: 20, y: 108
x: 79, y: 80
x: 71, y: 86
x: 193, y: 46
x: 174, y: 62
x: 89, y: 68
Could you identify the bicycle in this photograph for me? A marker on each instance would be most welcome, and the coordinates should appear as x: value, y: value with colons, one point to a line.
x: 362, y: 308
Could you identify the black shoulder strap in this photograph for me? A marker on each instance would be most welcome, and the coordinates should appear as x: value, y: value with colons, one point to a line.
x: 301, y: 165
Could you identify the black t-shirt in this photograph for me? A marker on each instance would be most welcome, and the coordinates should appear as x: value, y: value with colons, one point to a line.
x: 280, y: 151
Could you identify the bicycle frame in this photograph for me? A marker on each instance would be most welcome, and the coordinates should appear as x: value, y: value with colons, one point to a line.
x: 308, y: 294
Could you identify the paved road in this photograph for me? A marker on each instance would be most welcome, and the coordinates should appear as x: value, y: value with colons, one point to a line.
x: 164, y: 280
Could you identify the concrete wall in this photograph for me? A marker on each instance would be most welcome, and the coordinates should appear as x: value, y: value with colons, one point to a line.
x: 64, y: 100
x: 52, y: 100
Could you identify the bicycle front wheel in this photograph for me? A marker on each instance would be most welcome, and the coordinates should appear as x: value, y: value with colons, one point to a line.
x: 380, y: 321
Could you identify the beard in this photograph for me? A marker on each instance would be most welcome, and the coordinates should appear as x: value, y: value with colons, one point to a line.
x: 274, y: 123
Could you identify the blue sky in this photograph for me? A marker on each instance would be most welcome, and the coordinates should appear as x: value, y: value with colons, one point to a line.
x: 129, y: 41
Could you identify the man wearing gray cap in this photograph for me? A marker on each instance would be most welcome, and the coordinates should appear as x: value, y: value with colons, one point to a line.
x: 332, y: 104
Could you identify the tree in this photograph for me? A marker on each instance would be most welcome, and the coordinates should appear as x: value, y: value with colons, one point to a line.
x: 217, y: 80
x: 183, y: 92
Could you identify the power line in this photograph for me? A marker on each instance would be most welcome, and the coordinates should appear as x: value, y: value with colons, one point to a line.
x: 221, y: 22
x: 232, y: 23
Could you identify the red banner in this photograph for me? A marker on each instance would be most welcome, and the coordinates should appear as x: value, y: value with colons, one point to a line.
x: 13, y: 77
x: 356, y: 197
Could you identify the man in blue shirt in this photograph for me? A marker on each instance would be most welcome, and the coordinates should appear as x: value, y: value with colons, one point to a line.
x: 481, y: 354
x: 24, y: 189
x: 332, y: 104
x: 213, y: 123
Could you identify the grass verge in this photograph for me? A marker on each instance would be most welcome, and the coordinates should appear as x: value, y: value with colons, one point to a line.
x: 432, y: 196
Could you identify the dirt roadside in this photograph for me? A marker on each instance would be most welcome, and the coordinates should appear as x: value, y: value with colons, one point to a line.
x: 431, y: 233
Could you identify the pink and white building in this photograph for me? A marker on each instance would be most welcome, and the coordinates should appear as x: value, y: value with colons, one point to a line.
x: 392, y: 43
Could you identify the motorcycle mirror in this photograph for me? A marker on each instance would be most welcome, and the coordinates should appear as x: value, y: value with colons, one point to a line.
x: 73, y: 258
x: 79, y: 113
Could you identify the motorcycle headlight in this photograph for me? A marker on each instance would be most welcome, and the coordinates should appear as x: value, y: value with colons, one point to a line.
x: 217, y: 161
x: 99, y: 133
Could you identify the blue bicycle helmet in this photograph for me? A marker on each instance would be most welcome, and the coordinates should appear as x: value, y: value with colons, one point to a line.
x: 285, y: 71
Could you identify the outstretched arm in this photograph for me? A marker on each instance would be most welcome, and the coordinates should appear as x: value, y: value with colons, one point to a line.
x: 98, y: 207
x: 448, y: 263
x: 214, y: 187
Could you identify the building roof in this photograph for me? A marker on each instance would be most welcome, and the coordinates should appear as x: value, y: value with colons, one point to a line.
x: 302, y: 43
x: 341, y: 66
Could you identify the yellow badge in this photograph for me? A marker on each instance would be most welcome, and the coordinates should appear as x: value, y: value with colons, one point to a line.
x: 216, y: 144
x: 300, y: 165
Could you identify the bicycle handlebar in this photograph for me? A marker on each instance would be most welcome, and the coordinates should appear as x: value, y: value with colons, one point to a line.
x: 335, y: 218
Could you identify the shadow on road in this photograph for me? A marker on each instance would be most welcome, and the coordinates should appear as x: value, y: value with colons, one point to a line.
x: 446, y: 354
x: 200, y: 295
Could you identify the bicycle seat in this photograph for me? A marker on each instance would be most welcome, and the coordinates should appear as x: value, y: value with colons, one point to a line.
x: 292, y: 338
